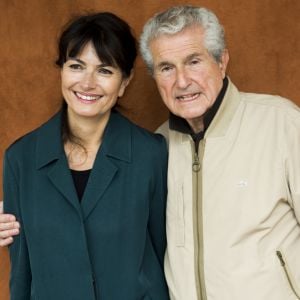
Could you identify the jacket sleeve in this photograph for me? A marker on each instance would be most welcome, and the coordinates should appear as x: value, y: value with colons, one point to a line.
x: 292, y: 161
x: 20, y: 274
x: 157, y: 214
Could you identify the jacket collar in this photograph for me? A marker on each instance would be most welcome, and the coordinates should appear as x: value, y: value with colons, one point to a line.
x: 116, y: 140
x: 179, y: 124
x: 225, y: 113
x: 218, y: 120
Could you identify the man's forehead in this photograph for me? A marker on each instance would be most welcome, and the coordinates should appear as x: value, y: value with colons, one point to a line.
x: 188, y: 40
x: 182, y: 54
x: 182, y: 59
x: 194, y: 29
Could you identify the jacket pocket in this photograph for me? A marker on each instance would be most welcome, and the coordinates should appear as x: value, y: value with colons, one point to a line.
x: 292, y: 282
x: 175, y: 222
x: 180, y: 226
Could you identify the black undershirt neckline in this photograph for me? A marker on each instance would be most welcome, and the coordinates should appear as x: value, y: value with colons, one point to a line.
x: 80, y: 179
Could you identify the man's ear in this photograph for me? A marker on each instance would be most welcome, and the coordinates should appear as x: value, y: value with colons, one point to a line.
x: 224, y: 62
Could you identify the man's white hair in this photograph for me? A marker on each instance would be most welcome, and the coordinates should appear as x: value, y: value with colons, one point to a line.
x: 175, y: 20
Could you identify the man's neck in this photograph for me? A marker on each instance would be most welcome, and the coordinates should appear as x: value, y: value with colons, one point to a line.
x: 200, y: 125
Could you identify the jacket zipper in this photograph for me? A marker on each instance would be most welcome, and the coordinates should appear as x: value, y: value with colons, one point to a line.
x: 196, y: 163
x: 197, y: 183
x: 283, y: 264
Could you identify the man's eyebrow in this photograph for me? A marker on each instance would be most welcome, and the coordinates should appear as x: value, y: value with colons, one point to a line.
x: 192, y: 56
x: 162, y: 64
x: 186, y: 59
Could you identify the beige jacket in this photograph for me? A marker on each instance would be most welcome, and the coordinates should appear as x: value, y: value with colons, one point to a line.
x: 233, y: 223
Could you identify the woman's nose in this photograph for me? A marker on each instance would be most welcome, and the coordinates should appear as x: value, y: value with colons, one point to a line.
x: 88, y: 81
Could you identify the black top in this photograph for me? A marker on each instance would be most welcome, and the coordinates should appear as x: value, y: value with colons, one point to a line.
x: 80, y: 179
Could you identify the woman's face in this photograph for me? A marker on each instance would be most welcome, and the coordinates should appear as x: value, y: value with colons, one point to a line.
x: 90, y: 87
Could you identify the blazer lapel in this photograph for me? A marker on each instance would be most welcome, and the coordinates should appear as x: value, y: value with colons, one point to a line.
x: 116, y: 146
x: 61, y: 178
x: 50, y: 154
x: 100, y: 178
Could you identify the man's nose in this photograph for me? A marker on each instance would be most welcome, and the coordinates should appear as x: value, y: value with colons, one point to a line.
x: 183, y: 79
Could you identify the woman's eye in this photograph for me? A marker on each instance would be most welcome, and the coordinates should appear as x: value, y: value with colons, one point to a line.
x: 105, y: 71
x: 75, y: 67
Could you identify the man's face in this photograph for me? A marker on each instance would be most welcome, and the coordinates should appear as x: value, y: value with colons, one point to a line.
x: 187, y: 76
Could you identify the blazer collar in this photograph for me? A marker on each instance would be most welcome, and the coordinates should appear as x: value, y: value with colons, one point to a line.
x: 49, y: 143
x: 116, y: 145
x: 116, y: 140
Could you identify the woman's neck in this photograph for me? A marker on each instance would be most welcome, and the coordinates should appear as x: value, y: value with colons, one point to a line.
x: 89, y: 132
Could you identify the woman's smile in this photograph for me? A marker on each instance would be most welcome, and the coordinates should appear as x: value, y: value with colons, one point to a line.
x: 87, y: 98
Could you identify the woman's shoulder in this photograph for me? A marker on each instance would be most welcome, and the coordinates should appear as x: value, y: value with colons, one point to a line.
x: 142, y: 135
x: 29, y: 139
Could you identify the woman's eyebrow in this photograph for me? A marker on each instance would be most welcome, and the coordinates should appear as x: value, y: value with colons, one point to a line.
x: 83, y: 63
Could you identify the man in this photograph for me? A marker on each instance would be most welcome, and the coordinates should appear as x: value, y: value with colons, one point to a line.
x: 233, y: 207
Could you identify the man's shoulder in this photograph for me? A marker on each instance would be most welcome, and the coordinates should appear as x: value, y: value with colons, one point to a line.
x: 267, y: 99
x: 143, y: 141
x: 163, y: 129
x: 274, y: 103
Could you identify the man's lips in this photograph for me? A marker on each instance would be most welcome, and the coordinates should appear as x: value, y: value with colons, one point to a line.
x: 188, y: 97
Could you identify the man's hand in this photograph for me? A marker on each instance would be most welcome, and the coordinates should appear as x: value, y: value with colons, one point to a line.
x: 8, y: 227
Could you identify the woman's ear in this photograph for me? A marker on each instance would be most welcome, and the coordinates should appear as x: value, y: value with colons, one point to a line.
x: 125, y: 83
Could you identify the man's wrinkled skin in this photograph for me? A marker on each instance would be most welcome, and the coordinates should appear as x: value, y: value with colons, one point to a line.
x: 9, y: 227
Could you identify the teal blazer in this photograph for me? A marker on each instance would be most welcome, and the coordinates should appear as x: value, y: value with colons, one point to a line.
x: 109, y: 246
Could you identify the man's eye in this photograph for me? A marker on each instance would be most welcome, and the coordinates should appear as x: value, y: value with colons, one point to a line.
x: 194, y: 62
x: 166, y: 68
x: 75, y: 67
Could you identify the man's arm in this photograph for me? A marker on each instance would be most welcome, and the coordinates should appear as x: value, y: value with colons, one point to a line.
x: 9, y: 227
x: 292, y: 163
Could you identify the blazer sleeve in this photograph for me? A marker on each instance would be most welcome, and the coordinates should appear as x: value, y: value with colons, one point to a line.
x: 157, y: 213
x: 20, y: 274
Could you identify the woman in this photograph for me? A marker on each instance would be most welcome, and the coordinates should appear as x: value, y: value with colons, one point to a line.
x: 88, y: 186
